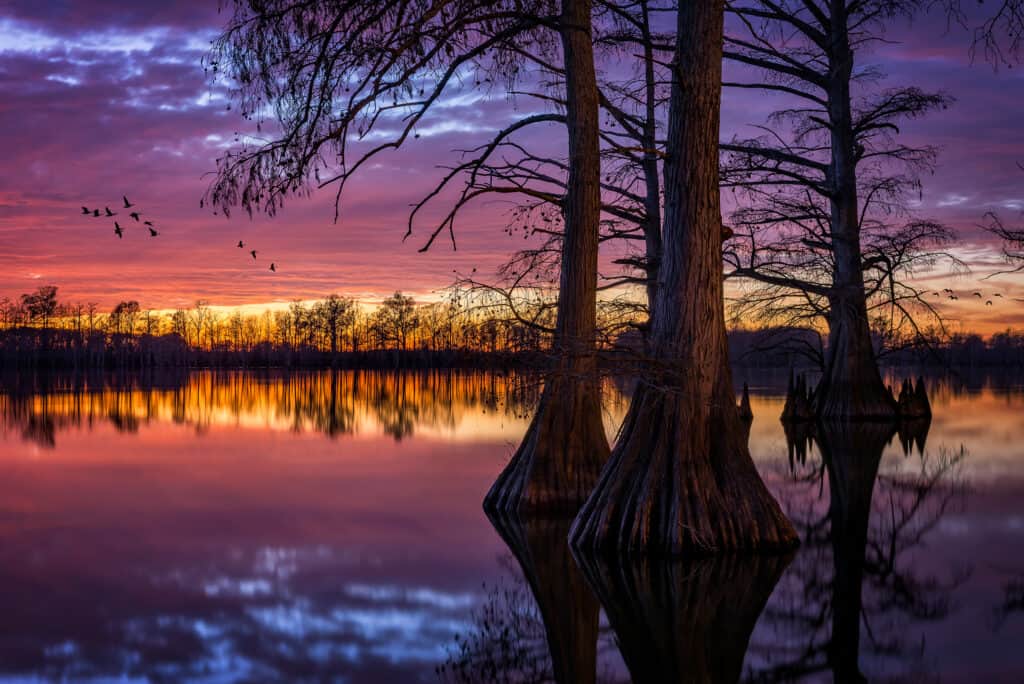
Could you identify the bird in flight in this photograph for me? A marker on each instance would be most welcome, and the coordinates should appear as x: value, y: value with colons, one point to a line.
x: 85, y: 210
x: 152, y: 231
x: 118, y: 231
x: 253, y: 252
x: 272, y: 267
x: 978, y: 295
x: 96, y: 213
x: 127, y: 204
x: 148, y: 223
x: 134, y: 215
x: 999, y: 294
x: 109, y: 213
x: 988, y: 303
x: 241, y: 244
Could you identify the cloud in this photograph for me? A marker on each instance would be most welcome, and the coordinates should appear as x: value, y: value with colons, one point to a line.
x: 107, y: 97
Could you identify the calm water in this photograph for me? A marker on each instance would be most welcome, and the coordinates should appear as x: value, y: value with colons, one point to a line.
x: 327, y: 527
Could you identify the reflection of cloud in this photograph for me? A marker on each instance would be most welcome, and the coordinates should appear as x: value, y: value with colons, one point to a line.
x: 421, y: 595
x: 952, y: 200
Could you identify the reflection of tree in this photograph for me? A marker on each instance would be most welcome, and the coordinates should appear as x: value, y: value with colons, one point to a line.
x: 552, y: 637
x: 329, y: 402
x: 1013, y: 601
x: 396, y: 410
x: 684, y: 620
x: 913, y: 434
x: 855, y: 572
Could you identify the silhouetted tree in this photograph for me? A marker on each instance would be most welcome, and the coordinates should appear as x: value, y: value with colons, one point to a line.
x: 41, y: 305
x: 396, y: 319
x: 1012, y: 238
x: 821, y: 189
x: 335, y: 316
x: 122, y: 318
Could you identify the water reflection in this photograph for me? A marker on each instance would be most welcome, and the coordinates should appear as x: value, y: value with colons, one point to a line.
x: 1013, y: 601
x: 684, y: 621
x: 550, y: 634
x: 329, y: 402
x: 855, y: 574
x: 327, y: 526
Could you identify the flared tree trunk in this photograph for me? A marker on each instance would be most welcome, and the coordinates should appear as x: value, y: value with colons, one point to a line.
x: 684, y: 620
x: 680, y: 479
x: 560, y: 458
x: 568, y: 608
x: 851, y: 453
x: 852, y: 386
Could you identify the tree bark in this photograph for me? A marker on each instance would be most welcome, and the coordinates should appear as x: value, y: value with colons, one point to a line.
x: 560, y: 458
x: 681, y: 479
x: 851, y: 386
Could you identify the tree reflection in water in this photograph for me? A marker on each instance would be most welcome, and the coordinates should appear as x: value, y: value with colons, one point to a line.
x: 547, y: 634
x: 852, y: 589
x: 332, y: 403
x: 684, y: 620
x: 674, y: 621
x: 856, y: 571
x: 1012, y: 602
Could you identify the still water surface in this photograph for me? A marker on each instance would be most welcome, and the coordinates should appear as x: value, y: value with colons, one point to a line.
x: 327, y: 527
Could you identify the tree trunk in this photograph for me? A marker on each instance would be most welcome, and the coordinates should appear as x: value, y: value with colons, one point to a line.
x: 681, y: 479
x: 852, y: 386
x: 561, y: 455
x: 652, y: 182
x: 567, y: 607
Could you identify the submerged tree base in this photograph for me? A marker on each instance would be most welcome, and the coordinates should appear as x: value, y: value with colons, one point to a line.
x: 681, y: 482
x: 559, y: 460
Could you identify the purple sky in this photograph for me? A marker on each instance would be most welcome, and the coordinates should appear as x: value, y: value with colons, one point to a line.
x: 103, y: 98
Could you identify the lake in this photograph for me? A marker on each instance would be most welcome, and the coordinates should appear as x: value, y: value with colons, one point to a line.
x: 261, y: 526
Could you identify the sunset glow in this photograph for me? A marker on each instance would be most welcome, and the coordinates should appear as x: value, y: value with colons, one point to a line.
x: 104, y: 99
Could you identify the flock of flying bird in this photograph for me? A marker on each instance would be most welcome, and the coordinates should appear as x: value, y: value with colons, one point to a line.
x: 135, y: 215
x: 118, y: 230
x: 952, y: 295
x: 153, y: 232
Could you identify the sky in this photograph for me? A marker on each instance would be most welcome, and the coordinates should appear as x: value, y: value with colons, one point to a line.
x: 104, y: 98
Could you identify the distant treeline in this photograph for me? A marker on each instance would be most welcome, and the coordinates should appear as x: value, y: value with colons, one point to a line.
x: 793, y: 347
x: 38, y: 330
